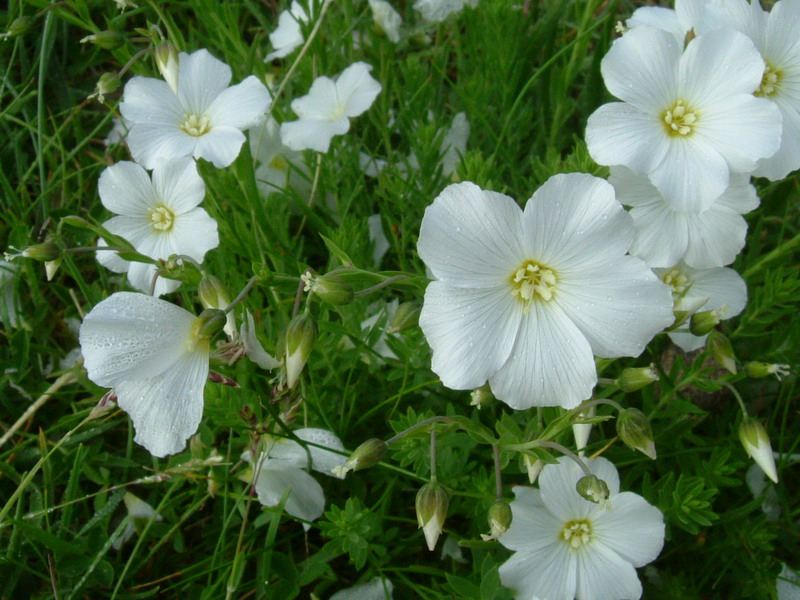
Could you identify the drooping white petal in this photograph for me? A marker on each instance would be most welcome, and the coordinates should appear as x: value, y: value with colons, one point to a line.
x: 133, y: 336
x: 386, y: 18
x: 8, y: 301
x: 201, y: 79
x: 604, y: 575
x: 471, y: 331
x: 437, y: 11
x: 240, y: 106
x: 141, y: 276
x: 357, y: 89
x: 312, y: 134
x: 632, y: 528
x: 252, y: 346
x: 177, y: 185
x: 471, y: 237
x: 378, y: 588
x: 323, y: 461
x: 306, y: 499
x: 111, y: 260
x: 288, y: 35
x: 551, y: 363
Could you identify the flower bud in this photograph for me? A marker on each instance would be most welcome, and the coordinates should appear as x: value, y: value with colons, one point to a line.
x: 703, y: 322
x: 685, y: 308
x: 366, y: 455
x: 593, y: 489
x: 499, y: 520
x: 534, y: 466
x: 167, y: 63
x: 44, y: 252
x: 107, y: 83
x: 581, y: 431
x: 18, y: 27
x: 720, y: 348
x: 635, y: 378
x: 758, y: 370
x: 431, y: 505
x: 214, y: 295
x: 51, y: 267
x: 108, y: 40
x: 634, y: 429
x: 300, y: 337
x: 480, y: 397
x: 755, y: 440
x: 208, y: 324
x: 330, y: 287
x: 405, y: 317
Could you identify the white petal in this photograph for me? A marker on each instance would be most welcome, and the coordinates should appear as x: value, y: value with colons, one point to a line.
x: 557, y: 484
x: 376, y: 589
x: 603, y: 575
x: 322, y: 460
x: 178, y: 185
x: 533, y: 527
x: 380, y: 243
x: 319, y: 103
x: 687, y: 341
x: 8, y: 298
x: 148, y: 100
x: 312, y: 134
x: 286, y: 37
x: 715, y: 237
x: 152, y: 144
x: 471, y: 237
x: 665, y: 19
x: 454, y: 144
x: 240, y: 106
x: 551, y: 363
x: 632, y: 528
x: 194, y: 233
x: 723, y: 287
x: 252, y: 346
x: 125, y: 189
x: 641, y: 68
x: 357, y: 89
x: 201, y: 78
x: 787, y: 158
x: 140, y: 276
x: 618, y: 308
x: 220, y: 146
x: 471, y: 332
x: 111, y: 260
x: 306, y: 499
x: 741, y: 196
x: 166, y: 409
x: 548, y: 572
x: 132, y: 336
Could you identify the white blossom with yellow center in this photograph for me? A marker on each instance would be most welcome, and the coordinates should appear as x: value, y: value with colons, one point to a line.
x: 566, y: 547
x: 159, y: 216
x: 688, y: 119
x: 525, y: 299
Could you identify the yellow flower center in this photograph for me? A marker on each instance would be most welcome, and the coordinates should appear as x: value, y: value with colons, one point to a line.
x: 279, y: 163
x: 677, y: 281
x: 770, y: 82
x: 577, y: 533
x: 533, y: 280
x: 162, y: 218
x: 679, y: 120
x: 196, y: 126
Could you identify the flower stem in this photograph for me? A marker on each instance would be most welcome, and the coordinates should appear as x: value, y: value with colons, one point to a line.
x: 385, y: 283
x: 298, y: 297
x: 736, y: 395
x: 498, y: 477
x: 566, y: 452
x: 433, y: 454
x: 248, y: 286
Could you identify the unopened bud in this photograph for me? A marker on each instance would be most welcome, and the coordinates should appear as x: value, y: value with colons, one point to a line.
x: 593, y: 489
x: 534, y: 466
x: 755, y: 440
x: 208, y: 324
x: 480, y: 397
x: 431, y: 505
x: 686, y: 307
x: 720, y: 348
x: 18, y: 27
x: 366, y: 455
x: 167, y: 63
x: 499, y: 520
x: 44, y: 252
x: 107, y: 83
x: 300, y: 337
x: 635, y: 378
x: 758, y: 370
x: 633, y: 428
x: 51, y: 267
x: 214, y: 295
x: 581, y: 431
x: 108, y: 40
x: 405, y: 317
x: 330, y: 287
x: 703, y: 322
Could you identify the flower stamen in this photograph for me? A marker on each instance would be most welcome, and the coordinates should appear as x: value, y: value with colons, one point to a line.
x: 770, y: 82
x: 196, y: 126
x: 533, y: 280
x: 677, y: 281
x: 577, y: 533
x: 162, y: 218
x: 679, y: 119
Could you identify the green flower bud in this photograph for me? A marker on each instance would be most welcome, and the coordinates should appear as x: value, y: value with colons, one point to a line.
x: 300, y: 337
x: 720, y: 348
x: 703, y: 322
x: 18, y: 27
x: 366, y: 455
x: 634, y: 429
x: 593, y: 489
x: 208, y: 324
x: 214, y: 295
x: 108, y: 40
x: 431, y: 505
x: 330, y: 287
x: 405, y: 317
x: 534, y: 466
x: 758, y: 370
x: 481, y: 396
x: 108, y: 82
x: 499, y: 520
x: 755, y: 440
x: 43, y: 252
x: 635, y: 378
x: 167, y: 63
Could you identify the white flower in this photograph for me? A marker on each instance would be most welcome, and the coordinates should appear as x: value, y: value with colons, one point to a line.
x: 8, y: 302
x: 282, y: 466
x: 326, y: 110
x: 156, y: 358
x: 776, y: 35
x: 688, y: 118
x: 380, y: 243
x: 567, y: 547
x: 205, y: 119
x: 139, y: 511
x: 382, y: 317
x: 677, y: 22
x: 755, y: 441
x: 437, y: 11
x: 159, y: 217
x: 525, y: 299
x: 665, y: 235
x: 279, y: 167
x: 252, y: 346
x: 454, y: 144
x: 386, y: 18
x: 375, y: 589
x: 288, y: 35
x: 118, y: 133
x: 787, y: 585
x: 719, y: 289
